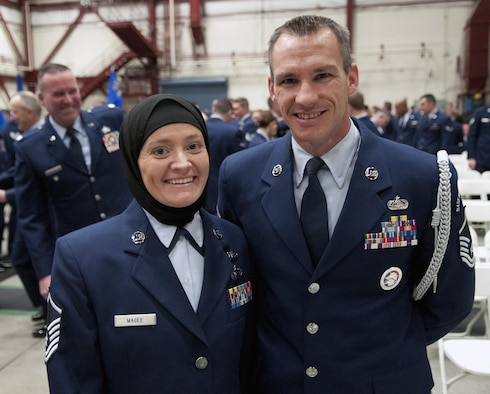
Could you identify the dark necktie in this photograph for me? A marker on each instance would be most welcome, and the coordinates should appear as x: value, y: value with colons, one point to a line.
x: 75, y: 147
x: 314, y: 219
x: 182, y: 231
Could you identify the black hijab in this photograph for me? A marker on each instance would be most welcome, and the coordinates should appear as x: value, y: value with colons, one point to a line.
x: 145, y: 118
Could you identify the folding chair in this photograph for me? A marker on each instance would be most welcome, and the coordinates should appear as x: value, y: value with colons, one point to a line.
x: 467, y: 173
x: 471, y: 354
x: 474, y: 188
x: 478, y: 213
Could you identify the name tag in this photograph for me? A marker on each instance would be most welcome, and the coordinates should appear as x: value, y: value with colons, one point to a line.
x: 143, y: 319
x: 53, y: 170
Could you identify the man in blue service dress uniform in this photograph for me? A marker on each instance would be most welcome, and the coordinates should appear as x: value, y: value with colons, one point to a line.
x: 357, y: 319
x: 64, y: 184
x: 26, y: 118
x: 224, y: 139
x: 479, y: 140
x: 406, y: 121
x: 433, y: 125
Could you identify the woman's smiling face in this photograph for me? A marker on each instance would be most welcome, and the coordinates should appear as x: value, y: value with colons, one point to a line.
x: 174, y: 164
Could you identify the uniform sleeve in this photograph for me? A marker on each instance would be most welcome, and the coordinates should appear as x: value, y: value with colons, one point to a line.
x: 10, y: 195
x: 224, y: 206
x: 236, y: 143
x: 473, y: 135
x: 451, y: 300
x: 33, y: 215
x: 7, y: 178
x: 72, y: 356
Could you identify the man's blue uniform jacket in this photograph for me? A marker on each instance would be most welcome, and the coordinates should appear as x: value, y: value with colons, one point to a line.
x: 344, y: 328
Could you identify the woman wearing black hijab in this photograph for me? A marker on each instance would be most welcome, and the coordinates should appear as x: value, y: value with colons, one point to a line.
x: 153, y: 300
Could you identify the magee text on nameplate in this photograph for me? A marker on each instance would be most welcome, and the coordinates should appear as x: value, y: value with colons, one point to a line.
x: 135, y: 320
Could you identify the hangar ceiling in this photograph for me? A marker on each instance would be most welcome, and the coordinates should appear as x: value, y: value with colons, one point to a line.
x: 146, y: 50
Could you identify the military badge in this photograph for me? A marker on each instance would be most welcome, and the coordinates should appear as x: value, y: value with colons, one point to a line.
x: 371, y: 173
x: 391, y: 278
x: 138, y: 237
x: 277, y: 170
x: 111, y: 141
x: 217, y: 233
x: 398, y: 204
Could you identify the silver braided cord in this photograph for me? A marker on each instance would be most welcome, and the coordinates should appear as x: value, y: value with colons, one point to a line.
x: 441, y: 222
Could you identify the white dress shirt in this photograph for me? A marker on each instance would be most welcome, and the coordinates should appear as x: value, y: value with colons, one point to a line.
x: 334, y: 178
x: 187, y: 262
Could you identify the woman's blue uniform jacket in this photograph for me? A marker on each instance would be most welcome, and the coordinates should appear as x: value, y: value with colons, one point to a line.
x: 158, y: 344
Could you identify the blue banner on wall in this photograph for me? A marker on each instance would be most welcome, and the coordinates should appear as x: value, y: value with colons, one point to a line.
x: 20, y: 85
x: 114, y: 95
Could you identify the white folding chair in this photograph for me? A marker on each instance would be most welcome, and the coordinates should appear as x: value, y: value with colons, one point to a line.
x: 485, y: 174
x: 472, y: 356
x: 467, y: 173
x: 468, y: 353
x: 478, y: 213
x: 483, y: 251
x: 458, y: 159
x: 479, y: 251
x: 478, y: 188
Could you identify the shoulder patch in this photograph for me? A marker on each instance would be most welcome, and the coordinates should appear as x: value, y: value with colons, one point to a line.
x: 53, y: 325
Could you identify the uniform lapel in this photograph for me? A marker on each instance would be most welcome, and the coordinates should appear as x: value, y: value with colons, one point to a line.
x: 58, y: 149
x: 279, y: 204
x: 154, y: 272
x: 217, y: 269
x: 363, y: 207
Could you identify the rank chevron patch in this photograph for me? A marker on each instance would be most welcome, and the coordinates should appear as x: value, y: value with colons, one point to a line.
x: 465, y: 247
x: 53, y: 325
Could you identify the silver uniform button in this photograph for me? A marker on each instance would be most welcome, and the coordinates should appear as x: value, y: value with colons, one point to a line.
x: 97, y: 197
x: 92, y: 179
x: 314, y: 288
x: 103, y: 215
x: 201, y: 362
x: 312, y: 328
x: 311, y: 372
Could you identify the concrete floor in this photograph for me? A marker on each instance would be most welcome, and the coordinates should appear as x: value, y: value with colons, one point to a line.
x: 22, y: 367
x: 21, y: 356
